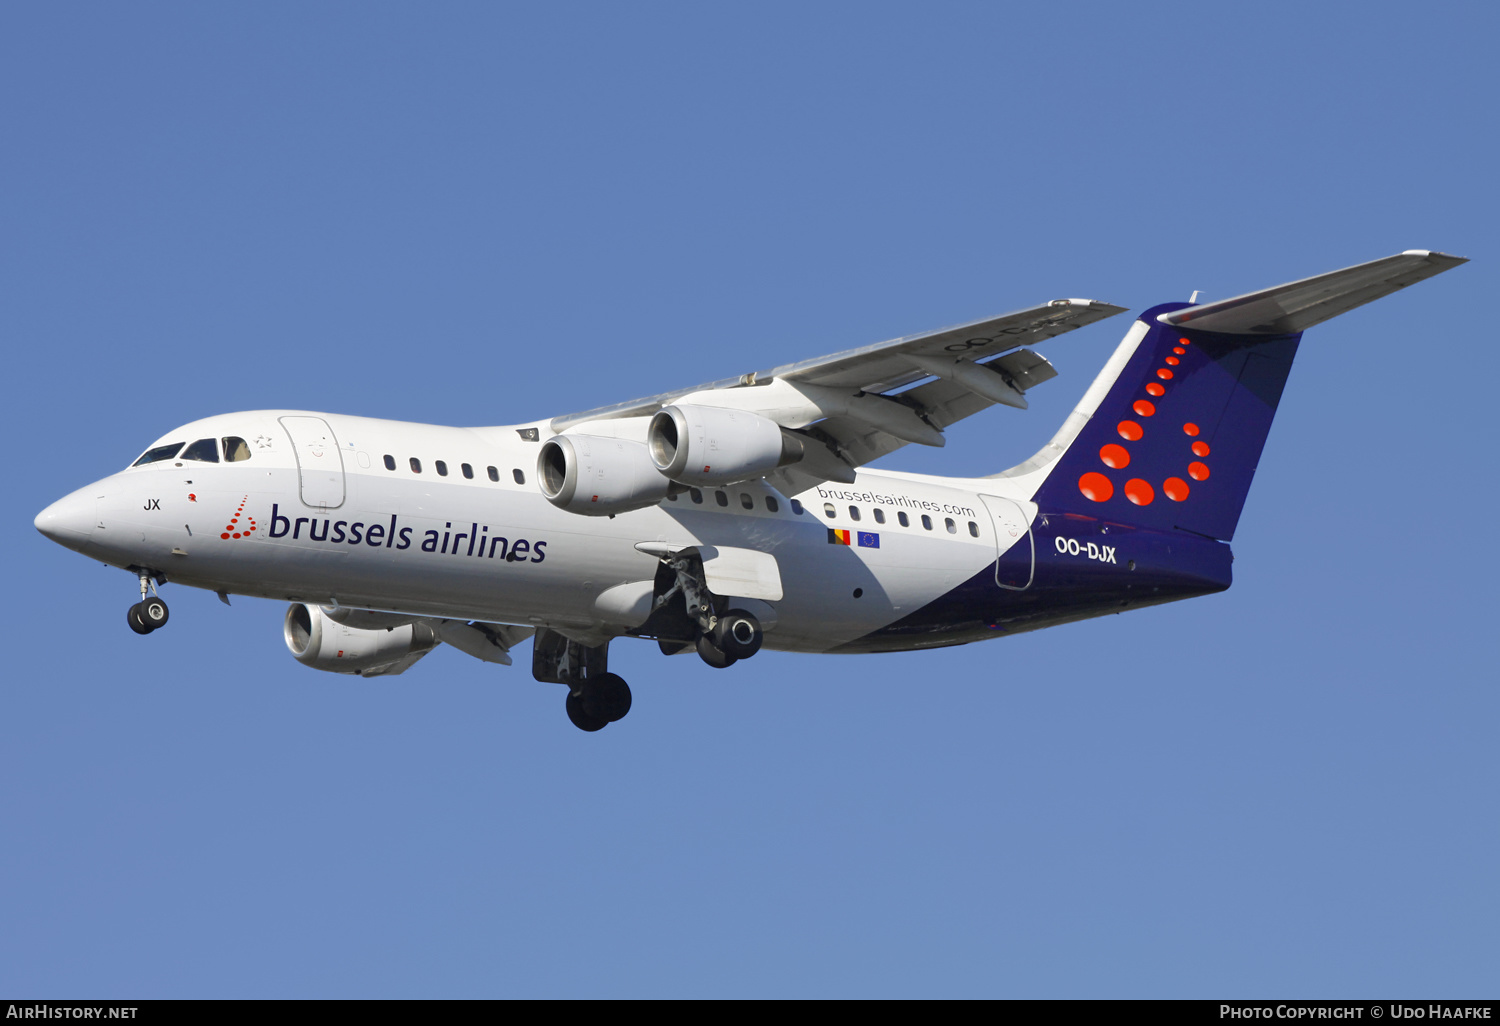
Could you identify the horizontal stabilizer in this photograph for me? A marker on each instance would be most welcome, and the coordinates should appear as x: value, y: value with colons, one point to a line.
x: 1299, y: 305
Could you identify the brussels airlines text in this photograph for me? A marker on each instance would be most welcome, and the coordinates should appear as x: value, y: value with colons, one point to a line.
x: 476, y: 542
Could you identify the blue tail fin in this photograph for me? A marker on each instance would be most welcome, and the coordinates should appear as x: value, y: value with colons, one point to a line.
x: 1170, y: 434
x: 1176, y: 440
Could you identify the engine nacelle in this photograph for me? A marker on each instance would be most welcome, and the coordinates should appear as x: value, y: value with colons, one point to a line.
x: 598, y: 476
x: 317, y: 640
x: 705, y: 445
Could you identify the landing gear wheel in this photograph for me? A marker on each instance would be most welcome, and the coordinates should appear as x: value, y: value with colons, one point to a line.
x: 581, y: 719
x: 738, y: 634
x: 713, y: 655
x: 133, y: 617
x: 153, y: 612
x: 606, y: 697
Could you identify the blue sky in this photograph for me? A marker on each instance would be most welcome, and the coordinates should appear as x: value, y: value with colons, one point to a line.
x: 484, y: 213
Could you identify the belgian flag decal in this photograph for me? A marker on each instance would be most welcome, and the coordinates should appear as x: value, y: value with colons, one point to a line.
x: 864, y: 539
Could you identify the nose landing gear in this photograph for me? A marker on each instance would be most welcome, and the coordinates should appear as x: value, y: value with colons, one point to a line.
x: 150, y: 612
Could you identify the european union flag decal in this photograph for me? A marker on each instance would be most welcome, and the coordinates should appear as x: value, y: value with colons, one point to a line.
x: 869, y: 540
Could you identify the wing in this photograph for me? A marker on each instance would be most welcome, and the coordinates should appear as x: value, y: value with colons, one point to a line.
x: 855, y: 406
x: 490, y: 642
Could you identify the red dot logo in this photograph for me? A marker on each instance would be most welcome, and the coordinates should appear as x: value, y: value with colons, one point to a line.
x: 1156, y: 390
x: 1200, y: 448
x: 1130, y: 431
x: 1175, y: 488
x: 1179, y: 350
x: 1198, y: 471
x: 232, y: 529
x: 1164, y: 374
x: 1115, y: 456
x: 1184, y: 341
x: 1173, y: 361
x: 1144, y: 408
x: 1191, y: 429
x: 1096, y: 487
x: 1139, y: 492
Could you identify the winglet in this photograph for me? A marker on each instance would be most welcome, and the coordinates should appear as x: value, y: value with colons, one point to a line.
x: 1299, y: 305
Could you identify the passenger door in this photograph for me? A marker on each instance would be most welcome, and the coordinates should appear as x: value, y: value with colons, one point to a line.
x: 320, y: 465
x: 1015, y: 560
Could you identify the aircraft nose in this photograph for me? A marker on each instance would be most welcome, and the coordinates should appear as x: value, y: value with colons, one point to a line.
x: 70, y: 520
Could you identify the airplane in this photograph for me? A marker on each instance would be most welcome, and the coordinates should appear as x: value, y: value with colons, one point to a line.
x: 738, y: 514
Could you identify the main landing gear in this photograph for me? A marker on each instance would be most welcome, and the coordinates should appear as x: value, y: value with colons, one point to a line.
x: 685, y: 614
x: 723, y: 636
x: 150, y: 612
x: 596, y: 697
x: 736, y: 635
x: 596, y: 703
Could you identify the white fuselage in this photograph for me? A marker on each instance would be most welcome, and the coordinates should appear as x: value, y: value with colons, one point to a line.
x: 320, y: 518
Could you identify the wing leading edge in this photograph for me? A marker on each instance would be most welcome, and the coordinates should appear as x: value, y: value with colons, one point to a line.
x: 852, y: 407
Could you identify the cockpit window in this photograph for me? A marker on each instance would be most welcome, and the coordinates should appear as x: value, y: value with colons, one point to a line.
x: 235, y: 449
x: 161, y: 452
x: 205, y: 450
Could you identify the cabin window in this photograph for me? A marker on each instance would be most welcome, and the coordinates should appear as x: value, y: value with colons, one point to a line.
x: 746, y: 501
x: 952, y: 527
x: 442, y: 468
x: 697, y: 495
x: 797, y: 507
x: 161, y: 452
x: 853, y: 512
x: 926, y: 522
x: 494, y: 473
x: 772, y: 504
x: 721, y: 498
x: 902, y: 518
x: 829, y: 511
x: 468, y: 471
x: 235, y: 449
x: 390, y: 462
x: 973, y: 529
x: 416, y: 465
x: 879, y: 515
x: 204, y: 450
x: 518, y: 476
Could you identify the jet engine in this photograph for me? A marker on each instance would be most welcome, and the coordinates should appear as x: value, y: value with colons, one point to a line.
x: 319, y: 641
x: 598, y: 476
x: 706, y: 445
